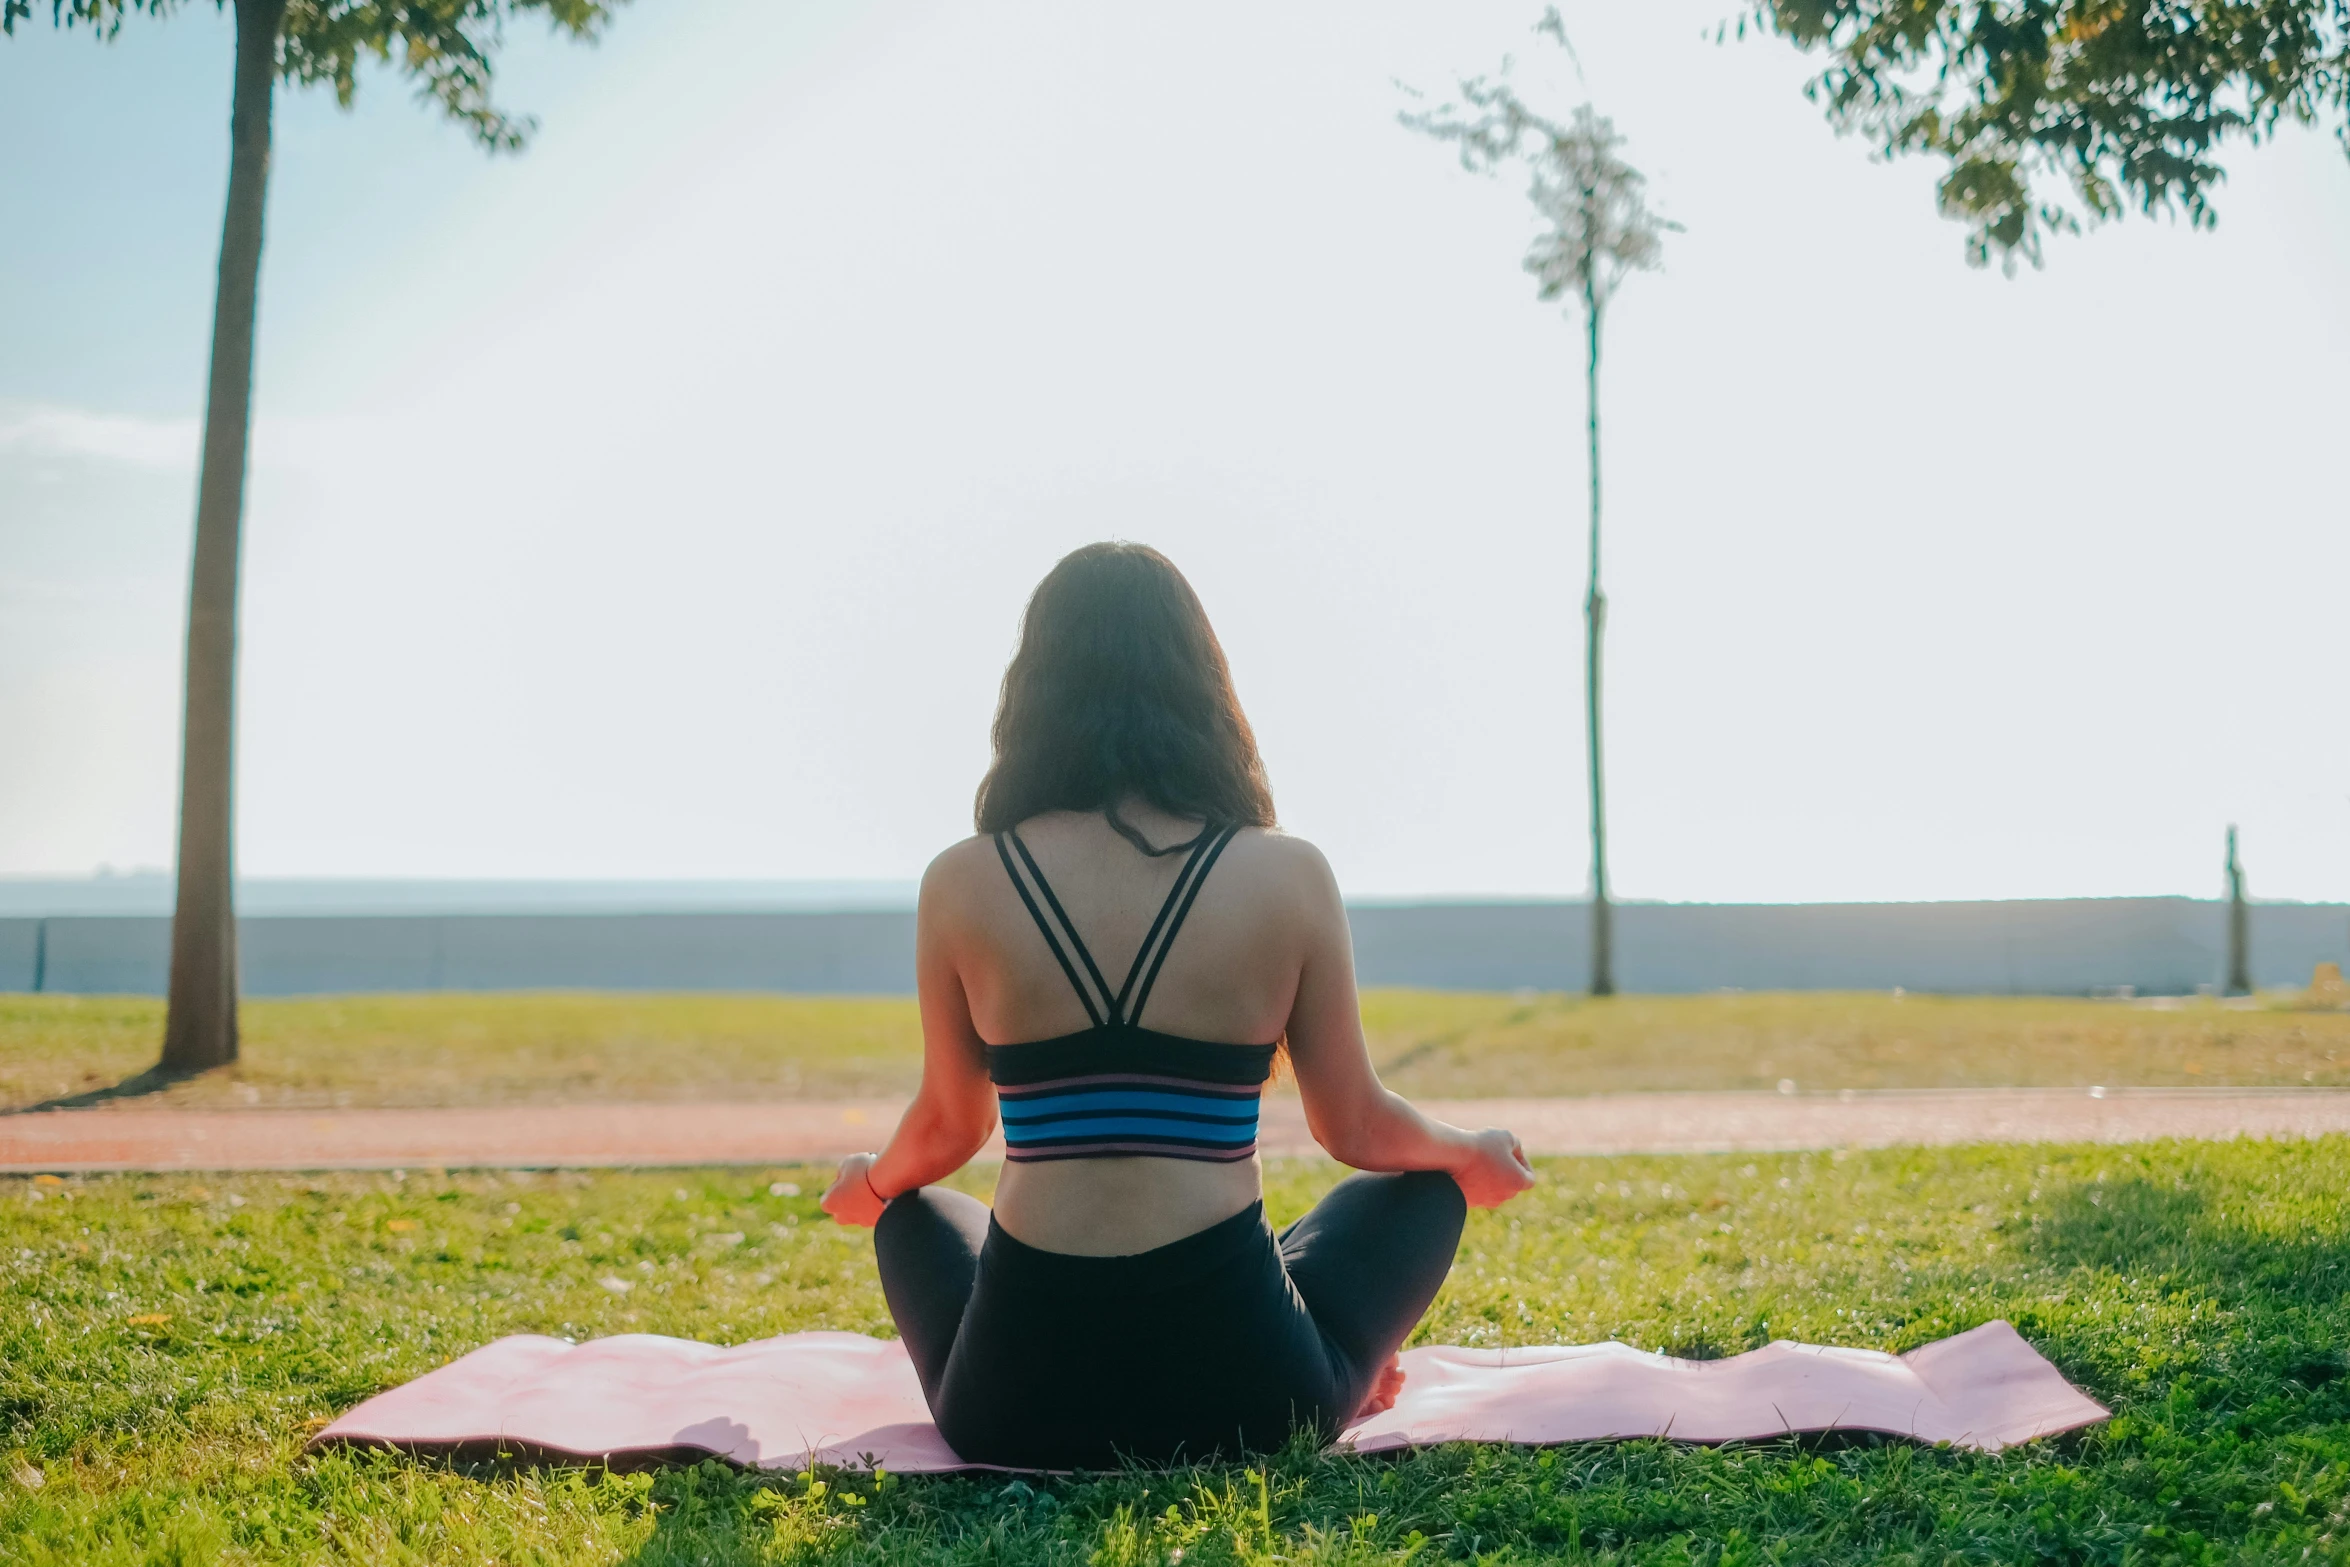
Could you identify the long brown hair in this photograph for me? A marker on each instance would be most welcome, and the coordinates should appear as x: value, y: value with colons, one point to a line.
x: 1120, y: 688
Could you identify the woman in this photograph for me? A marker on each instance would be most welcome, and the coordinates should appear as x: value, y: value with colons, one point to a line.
x: 1125, y: 1298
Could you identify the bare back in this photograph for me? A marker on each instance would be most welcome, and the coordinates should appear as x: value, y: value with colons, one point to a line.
x: 1231, y: 976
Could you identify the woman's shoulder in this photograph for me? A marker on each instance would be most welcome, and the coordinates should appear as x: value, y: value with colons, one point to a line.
x: 957, y: 867
x: 1283, y: 849
x: 1278, y: 860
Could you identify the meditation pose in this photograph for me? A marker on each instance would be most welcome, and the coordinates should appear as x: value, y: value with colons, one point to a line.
x: 1113, y: 966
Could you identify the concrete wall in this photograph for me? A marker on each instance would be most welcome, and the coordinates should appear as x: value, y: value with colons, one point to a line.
x: 858, y: 952
x: 2054, y: 947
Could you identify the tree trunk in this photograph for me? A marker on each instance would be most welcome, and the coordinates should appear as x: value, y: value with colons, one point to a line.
x: 1603, y: 914
x: 2239, y: 926
x: 200, y: 1030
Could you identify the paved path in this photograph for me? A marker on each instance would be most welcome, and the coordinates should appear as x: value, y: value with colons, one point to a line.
x: 548, y: 1136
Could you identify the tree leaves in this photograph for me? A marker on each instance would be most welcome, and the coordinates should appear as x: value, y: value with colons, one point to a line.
x: 1598, y: 228
x: 445, y: 47
x: 2112, y: 102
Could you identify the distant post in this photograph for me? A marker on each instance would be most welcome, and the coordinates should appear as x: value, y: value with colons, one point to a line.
x: 2239, y: 926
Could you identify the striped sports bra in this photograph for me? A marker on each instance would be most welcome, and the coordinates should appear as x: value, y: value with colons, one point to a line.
x: 1118, y: 1090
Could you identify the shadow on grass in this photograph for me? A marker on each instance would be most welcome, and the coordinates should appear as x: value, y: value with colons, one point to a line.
x: 154, y: 1080
x: 2196, y: 1233
x: 712, y: 1512
x: 2182, y: 1230
x: 2131, y: 1226
x: 706, y: 1513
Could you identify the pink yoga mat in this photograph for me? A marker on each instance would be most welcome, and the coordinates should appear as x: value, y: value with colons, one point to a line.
x: 842, y: 1398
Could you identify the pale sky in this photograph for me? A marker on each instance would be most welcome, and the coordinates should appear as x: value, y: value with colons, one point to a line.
x: 662, y: 503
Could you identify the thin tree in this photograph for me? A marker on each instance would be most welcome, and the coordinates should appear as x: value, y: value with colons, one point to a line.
x: 2239, y: 925
x: 445, y: 47
x: 1597, y: 230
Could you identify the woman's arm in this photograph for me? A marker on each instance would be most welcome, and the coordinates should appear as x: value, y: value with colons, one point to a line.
x: 954, y: 1110
x: 1351, y: 1113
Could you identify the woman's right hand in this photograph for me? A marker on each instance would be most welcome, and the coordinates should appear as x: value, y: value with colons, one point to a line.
x: 1494, y: 1168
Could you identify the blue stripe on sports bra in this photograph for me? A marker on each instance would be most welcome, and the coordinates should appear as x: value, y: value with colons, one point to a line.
x: 1096, y: 1130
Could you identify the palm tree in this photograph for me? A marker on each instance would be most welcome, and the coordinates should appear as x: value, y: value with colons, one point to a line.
x: 1597, y: 230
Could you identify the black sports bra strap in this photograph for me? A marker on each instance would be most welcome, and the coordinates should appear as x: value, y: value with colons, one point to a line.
x: 1199, y: 848
x: 1214, y: 847
x: 1094, y: 1013
x: 1068, y: 925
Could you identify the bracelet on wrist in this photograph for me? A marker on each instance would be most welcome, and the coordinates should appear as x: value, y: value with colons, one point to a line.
x: 866, y: 1175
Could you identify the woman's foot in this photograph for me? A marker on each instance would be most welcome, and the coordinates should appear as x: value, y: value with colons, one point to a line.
x: 1384, y: 1389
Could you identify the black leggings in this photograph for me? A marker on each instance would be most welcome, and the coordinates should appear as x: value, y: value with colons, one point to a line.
x: 1222, y: 1342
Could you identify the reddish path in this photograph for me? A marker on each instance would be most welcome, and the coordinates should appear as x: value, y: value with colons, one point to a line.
x: 545, y: 1136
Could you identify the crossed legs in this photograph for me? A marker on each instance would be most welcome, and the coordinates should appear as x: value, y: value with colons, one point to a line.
x: 1366, y: 1261
x: 1368, y: 1258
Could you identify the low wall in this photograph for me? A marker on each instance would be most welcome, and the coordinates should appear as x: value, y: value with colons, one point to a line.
x: 2051, y: 947
x: 2158, y: 945
x: 865, y: 952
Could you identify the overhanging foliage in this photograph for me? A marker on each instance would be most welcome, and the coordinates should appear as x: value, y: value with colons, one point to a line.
x: 2119, y: 102
x: 444, y: 46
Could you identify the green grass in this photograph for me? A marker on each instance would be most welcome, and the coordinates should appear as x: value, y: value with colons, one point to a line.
x: 480, y: 1049
x: 515, y: 1049
x: 166, y: 1342
x: 1437, y: 1044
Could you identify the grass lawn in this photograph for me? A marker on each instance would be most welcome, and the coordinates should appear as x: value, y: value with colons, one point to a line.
x: 166, y: 1342
x: 489, y: 1049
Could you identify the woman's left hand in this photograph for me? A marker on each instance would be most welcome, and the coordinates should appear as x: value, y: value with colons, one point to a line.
x: 851, y: 1199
